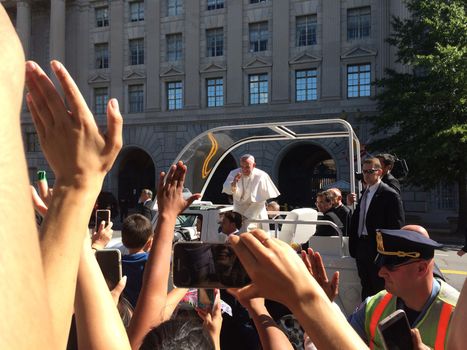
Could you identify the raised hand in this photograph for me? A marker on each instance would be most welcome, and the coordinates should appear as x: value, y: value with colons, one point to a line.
x: 212, y: 320
x: 170, y: 192
x: 314, y: 264
x: 70, y: 139
x: 102, y: 237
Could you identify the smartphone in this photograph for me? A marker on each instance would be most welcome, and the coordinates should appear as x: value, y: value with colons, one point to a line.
x: 110, y: 262
x: 207, y: 265
x: 206, y: 298
x: 395, y: 331
x: 102, y: 215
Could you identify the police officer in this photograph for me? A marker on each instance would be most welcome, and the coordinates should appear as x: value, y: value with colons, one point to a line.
x: 406, y: 262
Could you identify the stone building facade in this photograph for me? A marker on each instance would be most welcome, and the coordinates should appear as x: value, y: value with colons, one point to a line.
x: 180, y: 67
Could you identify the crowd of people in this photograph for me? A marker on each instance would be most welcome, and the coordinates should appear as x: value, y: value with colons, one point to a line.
x: 51, y: 275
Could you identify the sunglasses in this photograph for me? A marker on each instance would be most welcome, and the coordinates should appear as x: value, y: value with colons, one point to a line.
x: 369, y: 171
x: 395, y: 267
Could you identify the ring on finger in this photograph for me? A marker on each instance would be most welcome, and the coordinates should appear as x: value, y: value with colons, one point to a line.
x: 263, y: 242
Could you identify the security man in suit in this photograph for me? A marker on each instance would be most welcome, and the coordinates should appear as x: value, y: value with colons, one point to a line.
x: 406, y: 262
x: 145, y: 204
x: 379, y: 206
x: 387, y: 163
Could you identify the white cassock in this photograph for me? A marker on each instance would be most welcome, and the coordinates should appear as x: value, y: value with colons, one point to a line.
x: 251, y: 194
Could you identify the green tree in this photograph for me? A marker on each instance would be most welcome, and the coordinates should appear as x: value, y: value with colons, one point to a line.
x: 423, y: 114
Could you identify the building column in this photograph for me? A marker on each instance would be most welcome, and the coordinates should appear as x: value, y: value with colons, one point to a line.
x: 23, y: 24
x: 191, y: 85
x: 153, y: 90
x: 330, y: 68
x: 117, y: 56
x: 280, y: 46
x: 57, y: 30
x: 234, y: 81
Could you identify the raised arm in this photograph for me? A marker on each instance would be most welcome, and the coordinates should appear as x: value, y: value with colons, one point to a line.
x: 270, y: 335
x: 149, y: 312
x: 279, y: 274
x: 80, y: 156
x: 24, y: 291
x: 98, y: 322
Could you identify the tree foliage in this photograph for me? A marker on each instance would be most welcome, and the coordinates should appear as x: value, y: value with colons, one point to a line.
x: 423, y: 114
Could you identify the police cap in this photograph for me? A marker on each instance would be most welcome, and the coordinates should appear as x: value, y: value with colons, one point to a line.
x: 398, y: 246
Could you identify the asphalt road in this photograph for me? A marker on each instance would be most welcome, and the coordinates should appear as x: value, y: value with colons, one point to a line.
x: 451, y: 265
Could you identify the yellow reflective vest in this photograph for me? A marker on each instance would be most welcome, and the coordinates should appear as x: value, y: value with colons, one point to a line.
x: 433, y: 326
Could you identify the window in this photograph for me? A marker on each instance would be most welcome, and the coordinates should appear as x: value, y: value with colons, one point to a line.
x: 101, y: 97
x: 305, y: 85
x: 174, y: 47
x: 215, y: 42
x: 305, y: 30
x: 258, y: 92
x: 256, y: 1
x: 358, y: 23
x: 174, y: 95
x: 136, y: 98
x: 174, y: 7
x: 102, y: 16
x: 101, y: 55
x: 136, y: 11
x: 215, y: 92
x: 259, y: 36
x: 215, y: 4
x: 136, y: 51
x: 358, y: 80
x: 32, y: 142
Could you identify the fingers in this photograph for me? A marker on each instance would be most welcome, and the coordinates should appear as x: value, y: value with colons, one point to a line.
x: 306, y: 260
x: 109, y: 226
x: 160, y: 184
x: 242, y: 252
x: 74, y: 98
x: 117, y: 291
x: 193, y: 198
x: 319, y: 269
x: 248, y: 292
x: 114, y: 125
x: 335, y: 283
x: 101, y: 226
x: 43, y: 93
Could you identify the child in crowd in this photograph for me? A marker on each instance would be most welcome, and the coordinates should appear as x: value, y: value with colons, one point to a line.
x: 137, y: 238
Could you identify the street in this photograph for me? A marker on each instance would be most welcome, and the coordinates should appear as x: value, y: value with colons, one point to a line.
x: 451, y: 265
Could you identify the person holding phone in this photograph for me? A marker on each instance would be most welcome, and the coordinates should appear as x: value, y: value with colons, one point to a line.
x: 405, y: 262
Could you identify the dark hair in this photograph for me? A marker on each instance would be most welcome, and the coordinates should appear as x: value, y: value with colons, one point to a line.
x: 178, y: 335
x: 234, y: 217
x: 386, y: 158
x: 136, y: 231
x: 327, y: 196
x: 126, y: 310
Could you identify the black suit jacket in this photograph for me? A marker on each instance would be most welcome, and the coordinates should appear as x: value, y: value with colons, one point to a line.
x: 324, y: 230
x: 385, y: 211
x: 145, y: 209
x: 392, y: 182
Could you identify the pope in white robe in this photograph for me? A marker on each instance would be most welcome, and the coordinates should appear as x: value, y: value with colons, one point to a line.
x: 250, y: 188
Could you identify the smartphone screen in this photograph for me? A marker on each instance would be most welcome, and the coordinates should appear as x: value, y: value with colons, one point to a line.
x: 207, y: 265
x: 110, y: 262
x: 395, y: 331
x: 102, y: 215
